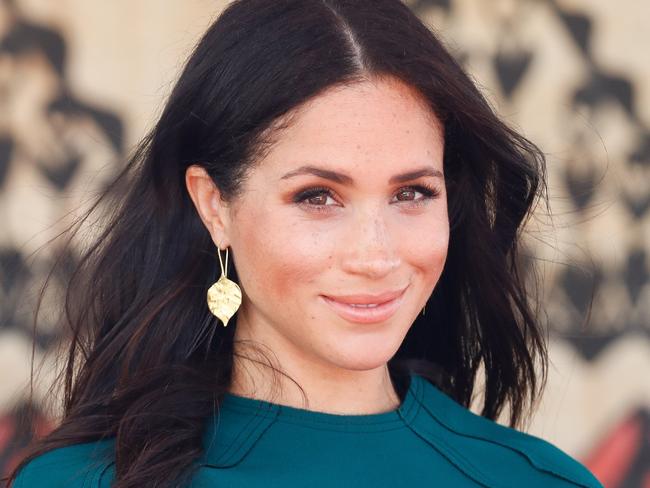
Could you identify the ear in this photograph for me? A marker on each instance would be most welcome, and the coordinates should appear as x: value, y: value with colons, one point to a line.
x: 207, y: 200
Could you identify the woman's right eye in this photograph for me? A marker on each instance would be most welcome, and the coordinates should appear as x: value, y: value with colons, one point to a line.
x: 315, y: 198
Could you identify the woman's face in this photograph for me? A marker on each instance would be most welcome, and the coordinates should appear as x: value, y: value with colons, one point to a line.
x: 350, y: 225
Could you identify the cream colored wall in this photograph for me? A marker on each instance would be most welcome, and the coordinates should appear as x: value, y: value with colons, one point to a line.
x: 124, y: 53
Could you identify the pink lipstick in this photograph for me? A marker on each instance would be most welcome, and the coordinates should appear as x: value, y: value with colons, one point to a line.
x: 366, y: 309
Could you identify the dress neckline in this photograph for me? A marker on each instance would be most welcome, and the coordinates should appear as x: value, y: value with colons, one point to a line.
x: 330, y: 421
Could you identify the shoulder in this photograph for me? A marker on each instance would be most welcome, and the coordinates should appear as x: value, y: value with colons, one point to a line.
x: 491, y: 453
x: 77, y: 465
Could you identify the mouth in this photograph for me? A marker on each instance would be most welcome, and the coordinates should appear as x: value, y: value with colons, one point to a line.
x: 365, y: 311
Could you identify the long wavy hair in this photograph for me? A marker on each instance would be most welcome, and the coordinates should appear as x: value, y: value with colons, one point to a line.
x: 148, y: 363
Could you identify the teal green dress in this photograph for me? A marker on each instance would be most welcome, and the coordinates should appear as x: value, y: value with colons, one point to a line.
x: 429, y: 441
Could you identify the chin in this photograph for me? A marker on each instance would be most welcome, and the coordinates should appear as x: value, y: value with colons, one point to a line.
x: 360, y: 365
x: 363, y: 358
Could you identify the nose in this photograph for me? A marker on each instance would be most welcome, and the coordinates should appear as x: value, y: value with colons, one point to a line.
x: 370, y: 247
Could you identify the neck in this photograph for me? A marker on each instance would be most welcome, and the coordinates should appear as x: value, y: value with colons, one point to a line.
x: 331, y: 390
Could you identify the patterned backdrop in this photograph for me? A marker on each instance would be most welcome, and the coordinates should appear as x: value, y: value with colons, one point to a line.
x: 81, y: 81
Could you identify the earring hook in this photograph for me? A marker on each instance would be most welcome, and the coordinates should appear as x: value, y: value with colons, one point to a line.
x: 224, y: 269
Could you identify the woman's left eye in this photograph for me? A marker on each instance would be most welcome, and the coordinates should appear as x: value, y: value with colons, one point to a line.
x: 316, y: 197
x: 428, y: 192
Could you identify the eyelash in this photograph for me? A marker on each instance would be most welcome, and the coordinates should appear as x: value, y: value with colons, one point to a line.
x: 429, y: 193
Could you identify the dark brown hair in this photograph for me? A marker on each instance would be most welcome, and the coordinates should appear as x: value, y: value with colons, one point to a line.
x: 148, y: 362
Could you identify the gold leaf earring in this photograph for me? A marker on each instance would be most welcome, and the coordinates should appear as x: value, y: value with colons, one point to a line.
x: 224, y: 296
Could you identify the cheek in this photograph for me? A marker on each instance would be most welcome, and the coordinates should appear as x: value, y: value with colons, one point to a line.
x: 427, y: 248
x: 278, y: 257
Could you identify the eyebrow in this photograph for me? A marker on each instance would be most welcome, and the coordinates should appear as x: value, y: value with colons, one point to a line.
x: 347, y: 180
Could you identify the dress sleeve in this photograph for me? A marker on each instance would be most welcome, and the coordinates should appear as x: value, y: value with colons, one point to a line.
x: 75, y: 466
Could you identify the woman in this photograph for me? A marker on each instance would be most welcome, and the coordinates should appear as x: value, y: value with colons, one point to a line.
x: 369, y: 205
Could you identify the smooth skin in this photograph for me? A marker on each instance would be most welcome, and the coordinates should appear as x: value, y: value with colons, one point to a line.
x: 360, y: 236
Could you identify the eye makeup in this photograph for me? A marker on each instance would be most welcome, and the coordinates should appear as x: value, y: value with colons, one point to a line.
x: 302, y: 198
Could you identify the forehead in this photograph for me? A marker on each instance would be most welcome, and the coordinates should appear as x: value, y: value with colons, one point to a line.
x: 381, y: 122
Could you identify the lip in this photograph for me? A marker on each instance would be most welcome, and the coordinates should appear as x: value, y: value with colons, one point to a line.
x: 388, y: 304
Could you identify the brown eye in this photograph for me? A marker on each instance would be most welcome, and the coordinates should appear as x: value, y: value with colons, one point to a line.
x: 405, y: 192
x: 313, y: 196
x: 317, y: 200
x: 428, y: 194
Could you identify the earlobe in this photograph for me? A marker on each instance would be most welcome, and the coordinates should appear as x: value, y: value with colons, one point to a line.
x: 207, y: 201
x: 219, y: 221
